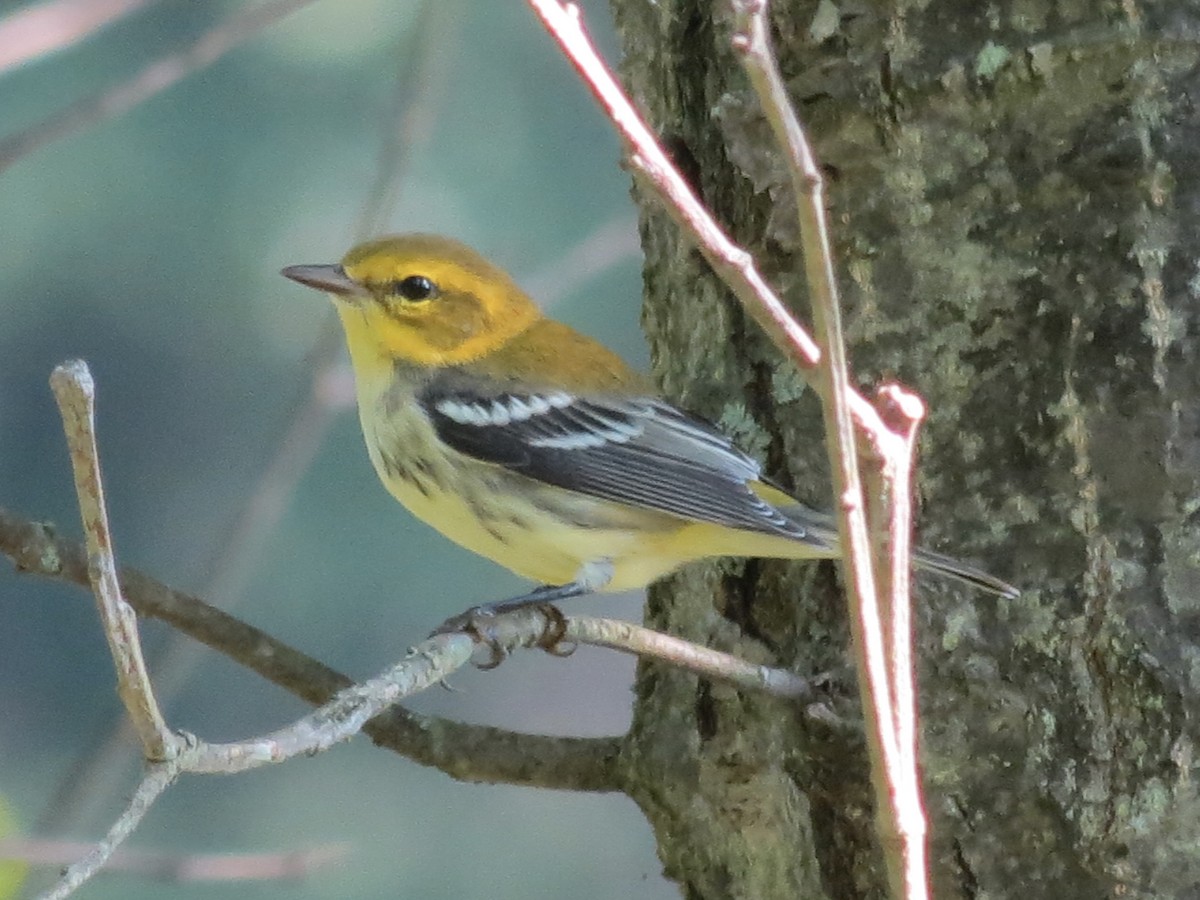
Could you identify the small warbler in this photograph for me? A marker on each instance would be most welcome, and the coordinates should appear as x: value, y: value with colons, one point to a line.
x: 530, y: 444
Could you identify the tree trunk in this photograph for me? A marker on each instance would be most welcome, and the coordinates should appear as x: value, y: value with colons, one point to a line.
x: 1014, y: 200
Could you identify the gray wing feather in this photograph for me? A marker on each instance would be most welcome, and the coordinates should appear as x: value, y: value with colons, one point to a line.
x: 639, y: 451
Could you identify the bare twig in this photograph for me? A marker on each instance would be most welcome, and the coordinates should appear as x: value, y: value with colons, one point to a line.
x: 43, y: 28
x: 466, y: 752
x: 903, y: 411
x: 650, y: 164
x: 178, y: 867
x: 159, y: 776
x: 430, y: 663
x: 168, y: 755
x: 76, y: 394
x: 421, y: 72
x: 893, y: 769
x: 539, y: 626
x: 844, y: 407
x: 153, y: 79
x: 339, y: 720
x: 630, y: 638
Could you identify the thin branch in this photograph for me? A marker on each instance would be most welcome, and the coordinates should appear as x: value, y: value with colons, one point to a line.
x: 43, y: 28
x: 650, y: 164
x: 159, y: 776
x: 843, y: 406
x: 75, y: 392
x: 339, y: 720
x: 153, y: 79
x: 428, y: 664
x: 903, y: 411
x: 178, y: 867
x: 421, y: 72
x: 546, y: 627
x: 466, y: 752
x: 885, y: 667
x: 630, y: 638
x: 893, y: 770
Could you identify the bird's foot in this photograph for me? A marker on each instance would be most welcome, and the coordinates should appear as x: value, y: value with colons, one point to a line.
x: 531, y: 620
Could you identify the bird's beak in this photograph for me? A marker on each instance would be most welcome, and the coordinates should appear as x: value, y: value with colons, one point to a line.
x: 332, y: 279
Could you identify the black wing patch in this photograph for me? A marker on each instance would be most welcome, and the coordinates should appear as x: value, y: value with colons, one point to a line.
x: 638, y: 451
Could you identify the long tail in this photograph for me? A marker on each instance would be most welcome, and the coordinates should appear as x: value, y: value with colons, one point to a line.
x: 960, y: 571
x: 822, y: 530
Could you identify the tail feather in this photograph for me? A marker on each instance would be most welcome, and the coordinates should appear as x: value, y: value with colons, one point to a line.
x: 821, y: 527
x: 960, y: 571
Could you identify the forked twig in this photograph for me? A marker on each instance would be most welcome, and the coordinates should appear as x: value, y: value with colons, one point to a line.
x: 880, y: 623
x: 168, y: 754
x: 463, y: 751
x: 884, y: 665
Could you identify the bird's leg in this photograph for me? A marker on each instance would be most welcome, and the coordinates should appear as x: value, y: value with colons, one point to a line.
x: 481, y: 622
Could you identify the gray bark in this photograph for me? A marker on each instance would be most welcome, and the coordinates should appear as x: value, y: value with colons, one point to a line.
x: 1014, y: 197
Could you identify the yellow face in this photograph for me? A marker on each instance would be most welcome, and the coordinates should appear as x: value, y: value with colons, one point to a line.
x: 424, y: 299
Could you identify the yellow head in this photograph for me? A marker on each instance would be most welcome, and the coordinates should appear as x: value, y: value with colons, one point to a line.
x: 421, y: 298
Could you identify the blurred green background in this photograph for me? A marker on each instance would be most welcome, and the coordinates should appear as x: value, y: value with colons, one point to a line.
x: 150, y: 245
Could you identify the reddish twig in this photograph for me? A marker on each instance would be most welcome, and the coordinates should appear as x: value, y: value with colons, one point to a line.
x: 43, y: 28
x: 880, y: 660
x: 650, y: 164
x: 153, y: 79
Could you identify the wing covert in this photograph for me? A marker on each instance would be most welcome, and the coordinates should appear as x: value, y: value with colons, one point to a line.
x: 639, y: 451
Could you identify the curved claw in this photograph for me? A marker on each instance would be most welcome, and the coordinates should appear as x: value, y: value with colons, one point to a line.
x: 498, y: 654
x: 486, y: 626
x: 551, y: 639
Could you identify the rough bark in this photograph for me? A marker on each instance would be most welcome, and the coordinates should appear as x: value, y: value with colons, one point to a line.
x: 1015, y: 201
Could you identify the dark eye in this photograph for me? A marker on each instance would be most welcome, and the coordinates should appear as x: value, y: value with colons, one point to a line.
x: 416, y: 287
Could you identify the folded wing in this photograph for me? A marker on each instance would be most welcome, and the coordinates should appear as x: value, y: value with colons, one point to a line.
x: 638, y: 451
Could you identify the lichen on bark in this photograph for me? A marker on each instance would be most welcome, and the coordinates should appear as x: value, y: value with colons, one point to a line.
x: 1015, y: 207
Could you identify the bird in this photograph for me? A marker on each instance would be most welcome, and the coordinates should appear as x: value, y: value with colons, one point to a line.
x: 530, y: 444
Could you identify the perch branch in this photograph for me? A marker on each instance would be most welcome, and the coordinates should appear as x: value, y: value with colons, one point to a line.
x: 630, y: 638
x: 466, y: 752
